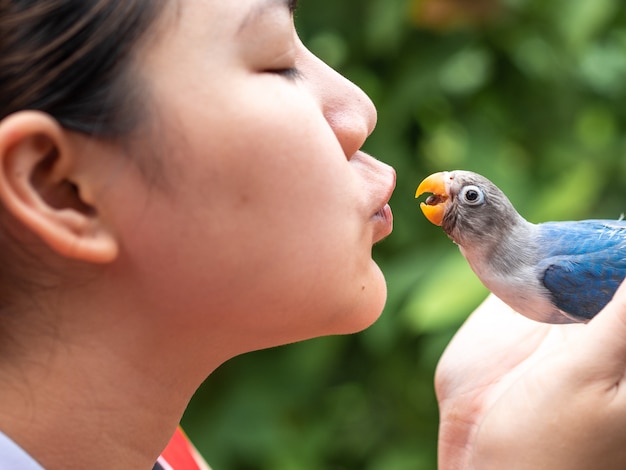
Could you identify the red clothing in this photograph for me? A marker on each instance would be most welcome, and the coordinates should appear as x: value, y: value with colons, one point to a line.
x: 180, y: 454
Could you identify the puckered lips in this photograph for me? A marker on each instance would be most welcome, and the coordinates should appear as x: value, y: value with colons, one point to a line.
x: 434, y: 208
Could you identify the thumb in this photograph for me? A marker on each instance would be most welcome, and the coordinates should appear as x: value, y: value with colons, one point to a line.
x: 605, y: 338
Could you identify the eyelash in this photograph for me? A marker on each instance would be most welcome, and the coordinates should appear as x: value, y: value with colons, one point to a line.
x: 291, y: 73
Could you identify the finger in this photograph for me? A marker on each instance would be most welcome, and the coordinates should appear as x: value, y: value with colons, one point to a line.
x: 493, y: 339
x: 604, y: 342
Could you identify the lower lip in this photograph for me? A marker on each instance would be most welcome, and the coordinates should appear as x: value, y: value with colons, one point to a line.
x: 384, y: 223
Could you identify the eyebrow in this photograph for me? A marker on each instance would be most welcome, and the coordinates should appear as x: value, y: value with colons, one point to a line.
x: 264, y: 5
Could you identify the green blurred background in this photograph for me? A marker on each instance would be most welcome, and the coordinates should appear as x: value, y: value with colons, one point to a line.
x: 527, y: 92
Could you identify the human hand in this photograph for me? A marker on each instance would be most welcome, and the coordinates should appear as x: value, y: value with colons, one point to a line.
x: 518, y: 394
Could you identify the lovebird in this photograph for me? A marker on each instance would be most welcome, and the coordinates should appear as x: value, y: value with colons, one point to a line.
x: 552, y: 272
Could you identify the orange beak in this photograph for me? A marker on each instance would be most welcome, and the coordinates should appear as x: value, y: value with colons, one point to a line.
x: 435, y: 206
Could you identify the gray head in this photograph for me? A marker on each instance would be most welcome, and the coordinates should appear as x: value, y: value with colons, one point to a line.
x: 469, y: 207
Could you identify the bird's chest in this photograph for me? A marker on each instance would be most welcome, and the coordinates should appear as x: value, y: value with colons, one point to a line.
x: 513, y: 280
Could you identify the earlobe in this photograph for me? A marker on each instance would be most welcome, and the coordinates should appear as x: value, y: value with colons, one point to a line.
x: 38, y: 186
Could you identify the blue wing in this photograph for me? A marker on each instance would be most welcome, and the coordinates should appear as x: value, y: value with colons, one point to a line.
x: 583, y: 263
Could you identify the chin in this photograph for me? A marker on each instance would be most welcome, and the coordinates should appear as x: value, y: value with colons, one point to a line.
x: 368, y: 305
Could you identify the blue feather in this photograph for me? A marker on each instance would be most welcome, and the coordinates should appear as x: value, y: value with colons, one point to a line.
x: 583, y: 263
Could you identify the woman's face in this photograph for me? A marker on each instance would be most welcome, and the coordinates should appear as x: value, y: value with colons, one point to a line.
x: 264, y: 233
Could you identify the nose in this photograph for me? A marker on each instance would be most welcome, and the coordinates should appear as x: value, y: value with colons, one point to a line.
x: 349, y: 111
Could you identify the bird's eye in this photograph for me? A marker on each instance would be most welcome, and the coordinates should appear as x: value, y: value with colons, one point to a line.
x: 472, y: 195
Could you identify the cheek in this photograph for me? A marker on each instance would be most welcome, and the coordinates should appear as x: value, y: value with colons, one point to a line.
x: 271, y: 276
x: 283, y: 216
x: 265, y: 226
x: 293, y: 237
x: 276, y: 176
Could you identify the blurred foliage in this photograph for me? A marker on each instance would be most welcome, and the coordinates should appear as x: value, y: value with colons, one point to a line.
x: 527, y: 92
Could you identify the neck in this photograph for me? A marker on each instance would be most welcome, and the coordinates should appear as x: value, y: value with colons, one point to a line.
x: 503, y: 253
x: 98, y: 397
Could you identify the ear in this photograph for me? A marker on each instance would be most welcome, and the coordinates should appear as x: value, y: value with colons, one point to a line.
x: 37, y: 188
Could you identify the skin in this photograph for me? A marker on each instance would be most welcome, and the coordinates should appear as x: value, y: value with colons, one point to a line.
x: 260, y: 233
x: 534, y: 395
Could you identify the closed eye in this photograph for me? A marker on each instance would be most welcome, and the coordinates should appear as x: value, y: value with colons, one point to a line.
x: 291, y: 73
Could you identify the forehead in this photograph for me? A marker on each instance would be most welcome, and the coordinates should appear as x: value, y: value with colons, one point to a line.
x: 206, y: 25
x: 219, y: 12
x: 468, y: 178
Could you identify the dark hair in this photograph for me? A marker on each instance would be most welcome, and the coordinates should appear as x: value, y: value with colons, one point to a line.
x: 72, y: 60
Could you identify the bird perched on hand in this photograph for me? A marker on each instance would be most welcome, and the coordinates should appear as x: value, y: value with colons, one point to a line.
x: 553, y: 272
